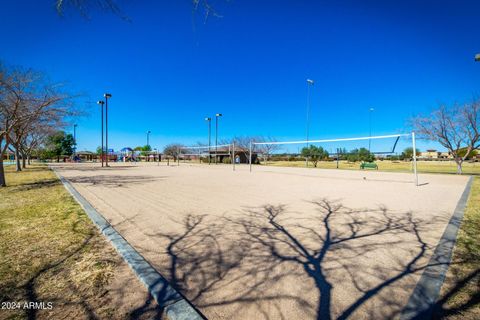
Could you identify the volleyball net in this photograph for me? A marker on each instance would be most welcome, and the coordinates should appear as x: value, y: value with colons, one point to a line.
x: 335, y: 153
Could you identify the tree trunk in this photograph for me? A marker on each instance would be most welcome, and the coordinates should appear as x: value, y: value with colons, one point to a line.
x: 2, y: 173
x: 24, y: 161
x: 28, y: 160
x: 17, y: 158
x: 459, y: 166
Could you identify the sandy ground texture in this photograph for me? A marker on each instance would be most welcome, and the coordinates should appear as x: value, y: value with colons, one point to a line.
x: 277, y: 243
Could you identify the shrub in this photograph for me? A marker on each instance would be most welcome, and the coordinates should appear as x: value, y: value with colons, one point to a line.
x: 361, y: 154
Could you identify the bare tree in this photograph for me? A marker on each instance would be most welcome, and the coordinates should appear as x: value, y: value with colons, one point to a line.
x: 454, y: 127
x: 242, y: 144
x: 174, y: 150
x: 85, y: 6
x: 34, y: 139
x: 27, y: 102
x: 202, y: 7
x: 268, y: 149
x: 11, y: 103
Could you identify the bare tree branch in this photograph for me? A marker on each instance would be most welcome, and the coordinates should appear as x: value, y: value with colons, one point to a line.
x: 454, y: 127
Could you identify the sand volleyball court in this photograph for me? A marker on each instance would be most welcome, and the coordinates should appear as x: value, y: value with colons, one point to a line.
x: 277, y: 243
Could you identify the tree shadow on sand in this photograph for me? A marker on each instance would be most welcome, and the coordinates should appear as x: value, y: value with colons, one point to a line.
x: 241, y: 260
x: 334, y: 239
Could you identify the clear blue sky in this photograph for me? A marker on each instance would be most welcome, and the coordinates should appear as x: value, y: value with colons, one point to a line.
x: 167, y: 70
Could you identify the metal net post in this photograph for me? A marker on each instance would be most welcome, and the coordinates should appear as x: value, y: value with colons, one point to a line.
x: 414, y: 159
x: 250, y: 156
x: 233, y: 155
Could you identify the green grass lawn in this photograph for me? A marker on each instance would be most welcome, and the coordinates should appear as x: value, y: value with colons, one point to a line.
x: 387, y: 165
x: 461, y: 291
x: 49, y: 249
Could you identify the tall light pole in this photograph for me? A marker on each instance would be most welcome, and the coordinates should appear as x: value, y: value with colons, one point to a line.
x: 370, y: 111
x: 310, y: 83
x: 74, y: 140
x: 209, y: 137
x: 101, y: 103
x: 148, y: 137
x: 216, y: 134
x: 107, y: 96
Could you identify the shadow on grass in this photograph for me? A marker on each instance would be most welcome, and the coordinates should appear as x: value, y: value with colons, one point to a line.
x: 113, y: 180
x: 34, y: 290
x: 38, y: 184
x: 74, y: 167
x: 149, y: 307
x: 441, y: 310
x: 30, y: 286
x: 250, y: 260
x: 79, y: 299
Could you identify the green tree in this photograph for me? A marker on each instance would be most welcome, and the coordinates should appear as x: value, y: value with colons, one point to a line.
x: 60, y: 144
x: 314, y: 154
x: 143, y: 149
x: 408, y: 153
x: 463, y: 151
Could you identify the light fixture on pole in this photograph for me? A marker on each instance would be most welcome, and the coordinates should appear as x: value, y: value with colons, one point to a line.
x: 216, y: 134
x: 370, y: 111
x: 101, y: 103
x: 74, y: 141
x: 310, y: 83
x: 148, y: 137
x: 209, y: 137
x: 107, y: 96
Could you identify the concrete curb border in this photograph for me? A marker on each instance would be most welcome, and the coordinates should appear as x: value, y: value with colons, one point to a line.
x: 175, y: 305
x: 422, y: 301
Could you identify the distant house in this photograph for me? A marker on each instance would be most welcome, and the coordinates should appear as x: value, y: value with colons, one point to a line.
x: 430, y: 154
x: 8, y: 155
x: 445, y: 155
x: 435, y: 155
x: 241, y: 155
x: 86, y: 155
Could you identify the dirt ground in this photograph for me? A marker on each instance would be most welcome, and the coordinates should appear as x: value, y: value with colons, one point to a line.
x: 277, y: 243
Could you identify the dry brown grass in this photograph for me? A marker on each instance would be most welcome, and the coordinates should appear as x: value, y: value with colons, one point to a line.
x: 389, y: 166
x: 51, y: 252
x: 461, y: 291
